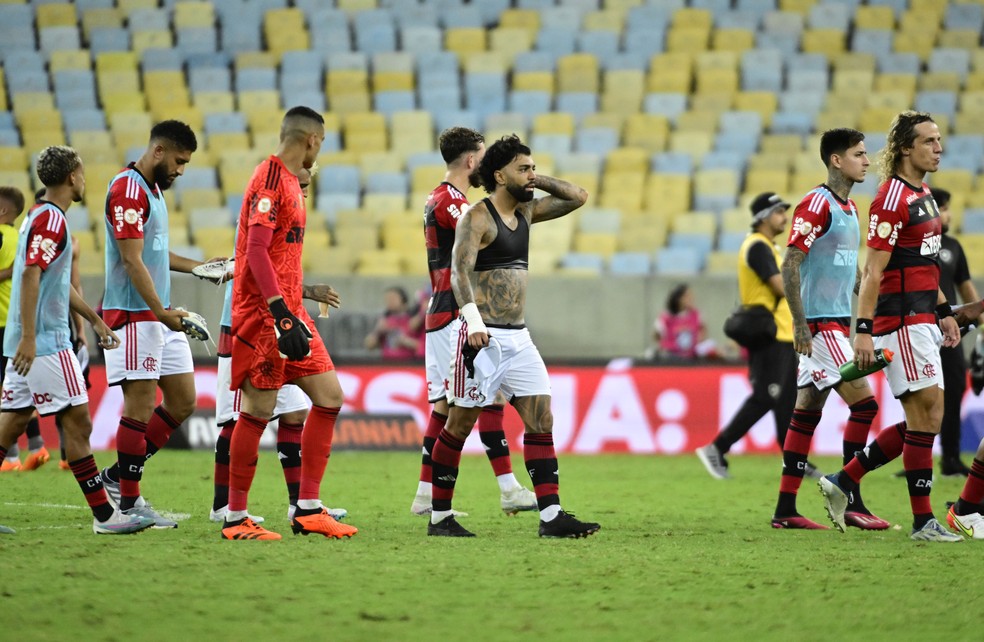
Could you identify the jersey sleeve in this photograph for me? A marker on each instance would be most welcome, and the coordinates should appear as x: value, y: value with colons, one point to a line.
x: 810, y: 222
x: 264, y: 196
x: 127, y: 208
x: 47, y: 239
x: 884, y: 224
x: 449, y: 210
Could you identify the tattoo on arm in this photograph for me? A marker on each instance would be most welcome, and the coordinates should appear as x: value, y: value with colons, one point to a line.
x: 791, y: 283
x: 857, y: 281
x: 564, y: 198
x: 467, y: 242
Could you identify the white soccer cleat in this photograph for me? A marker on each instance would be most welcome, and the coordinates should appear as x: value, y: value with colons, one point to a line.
x: 933, y: 531
x: 215, y: 271
x: 219, y: 516
x: 194, y: 326
x: 121, y: 524
x: 516, y: 500
x: 422, y: 506
x: 971, y: 525
x: 835, y: 499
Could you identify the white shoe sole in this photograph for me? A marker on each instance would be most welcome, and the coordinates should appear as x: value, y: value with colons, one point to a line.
x: 711, y: 468
x: 835, y: 501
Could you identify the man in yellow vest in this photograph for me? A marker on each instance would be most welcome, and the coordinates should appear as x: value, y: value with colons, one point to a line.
x: 771, y: 368
x: 11, y: 206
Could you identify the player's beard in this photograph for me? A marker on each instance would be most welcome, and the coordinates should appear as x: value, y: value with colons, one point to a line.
x: 77, y: 198
x: 161, y: 177
x: 475, y: 179
x: 946, y: 228
x: 520, y: 193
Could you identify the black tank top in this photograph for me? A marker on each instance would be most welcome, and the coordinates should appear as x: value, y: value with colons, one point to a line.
x: 511, y: 248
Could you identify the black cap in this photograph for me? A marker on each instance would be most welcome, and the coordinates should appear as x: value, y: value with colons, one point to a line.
x: 764, y: 204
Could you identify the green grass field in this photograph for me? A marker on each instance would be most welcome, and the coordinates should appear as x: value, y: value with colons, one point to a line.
x: 680, y: 557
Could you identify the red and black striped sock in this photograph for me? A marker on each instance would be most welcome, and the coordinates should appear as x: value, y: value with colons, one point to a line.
x: 159, y: 430
x: 33, y: 432
x: 87, y: 475
x: 131, y: 449
x: 445, y: 459
x: 244, y: 448
x: 316, y: 449
x: 434, y: 427
x: 220, y: 496
x: 886, y: 447
x: 973, y: 491
x: 917, y: 457
x: 541, y: 463
x: 289, y: 454
x: 494, y: 439
x: 858, y: 426
x: 795, y: 449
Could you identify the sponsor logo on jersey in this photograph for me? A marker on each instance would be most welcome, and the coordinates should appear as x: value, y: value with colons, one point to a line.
x: 295, y: 235
x: 128, y: 216
x: 930, y: 245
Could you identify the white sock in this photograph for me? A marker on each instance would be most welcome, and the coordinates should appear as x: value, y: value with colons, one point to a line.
x: 424, y: 488
x: 550, y: 513
x: 507, y: 482
x: 309, y: 504
x: 438, y: 516
x: 235, y: 515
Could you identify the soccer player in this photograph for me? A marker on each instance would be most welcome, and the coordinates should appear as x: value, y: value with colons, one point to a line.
x: 462, y: 150
x: 820, y: 273
x: 901, y: 307
x: 491, y: 346
x: 11, y: 206
x: 272, y: 341
x: 137, y: 303
x: 42, y: 371
x: 292, y: 408
x: 771, y: 367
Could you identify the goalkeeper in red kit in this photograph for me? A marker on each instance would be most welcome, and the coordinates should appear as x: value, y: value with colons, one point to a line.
x: 273, y: 343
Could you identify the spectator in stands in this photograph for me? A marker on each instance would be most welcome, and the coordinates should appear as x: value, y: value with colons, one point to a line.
x: 772, y: 368
x: 418, y: 320
x: 954, y: 279
x: 392, y: 334
x: 679, y: 331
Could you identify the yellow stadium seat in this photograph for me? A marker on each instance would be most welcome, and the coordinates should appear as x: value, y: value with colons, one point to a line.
x: 877, y: 119
x: 210, y: 102
x: 465, y: 40
x: 526, y: 19
x: 717, y: 81
x: 284, y: 30
x: 676, y: 81
x: 13, y: 159
x: 577, y: 72
x: 379, y: 263
x: 255, y: 60
x: 412, y: 131
x: 216, y: 241
x: 931, y: 6
x: 511, y: 40
x: 672, y: 60
x: 19, y: 179
x: 913, y: 42
x: 38, y: 118
x: 116, y: 61
x: 200, y: 198
x: 425, y: 178
x: 645, y: 233
x: 767, y: 180
x: 896, y: 82
x: 265, y: 101
x: 533, y: 81
x: 921, y: 19
x: 853, y: 60
x: 623, y: 91
x: 789, y: 144
x: 763, y: 102
x: 833, y: 118
x: 56, y: 15
x: 970, y: 101
x: 365, y: 132
x: 694, y: 143
x: 692, y: 18
x: 604, y: 20
x: 557, y: 238
x: 627, y: 160
x: 193, y: 14
x: 127, y: 7
x: 696, y: 223
x: 393, y: 81
x: 714, y: 101
x: 100, y: 17
x: 28, y: 101
x: 380, y: 206
x: 797, y: 6
x: 554, y: 123
x: 688, y: 39
x: 721, y: 263
x: 608, y: 120
x: 773, y: 158
x: 227, y: 141
x: 974, y: 81
x: 352, y: 6
x: 95, y: 146
x: 955, y: 180
x: 939, y: 81
x: 874, y: 17
x: 647, y: 131
x: 316, y: 241
x: 63, y: 60
x: 603, y: 243
x: 115, y: 82
x: 350, y: 103
x: 716, y: 182
x: 151, y: 39
x: 337, y: 261
x: 959, y: 39
x: 735, y: 40
x: 346, y: 81
x: 264, y: 120
x: 622, y: 190
x: 857, y: 82
x: 690, y: 121
x: 735, y: 219
x: 829, y: 42
x: 716, y: 60
x: 668, y: 194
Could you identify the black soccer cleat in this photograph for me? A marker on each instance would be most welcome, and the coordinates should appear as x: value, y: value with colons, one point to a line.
x: 565, y: 525
x: 448, y: 527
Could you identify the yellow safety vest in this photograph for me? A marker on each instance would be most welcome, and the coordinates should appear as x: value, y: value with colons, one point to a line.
x: 754, y: 291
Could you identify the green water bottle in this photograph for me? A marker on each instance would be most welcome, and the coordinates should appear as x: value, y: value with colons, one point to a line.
x: 850, y: 371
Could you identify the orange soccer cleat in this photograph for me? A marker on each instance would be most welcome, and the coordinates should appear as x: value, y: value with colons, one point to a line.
x: 10, y: 466
x: 247, y: 529
x: 64, y: 465
x: 320, y: 523
x: 36, y: 459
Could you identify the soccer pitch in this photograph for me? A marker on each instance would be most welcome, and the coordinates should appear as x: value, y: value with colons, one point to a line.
x: 680, y: 557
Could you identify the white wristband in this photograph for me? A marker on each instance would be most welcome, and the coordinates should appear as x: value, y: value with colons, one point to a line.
x: 469, y: 312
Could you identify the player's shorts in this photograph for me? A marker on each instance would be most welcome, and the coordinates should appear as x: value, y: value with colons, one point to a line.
x: 289, y: 399
x: 53, y: 384
x: 437, y: 362
x: 148, y: 350
x: 916, y: 364
x: 510, y: 364
x: 831, y: 349
x: 255, y: 355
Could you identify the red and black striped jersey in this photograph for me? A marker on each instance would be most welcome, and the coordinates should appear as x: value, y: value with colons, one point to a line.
x: 444, y: 207
x: 905, y: 221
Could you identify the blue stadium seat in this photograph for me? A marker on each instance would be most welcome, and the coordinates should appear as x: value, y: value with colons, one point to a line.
x: 159, y: 59
x: 323, y: 15
x: 448, y: 115
x: 315, y: 99
x: 297, y: 61
x: 791, y: 122
x: 462, y: 17
x: 779, y: 23
x: 964, y: 16
x: 579, y: 162
x: 716, y: 203
x: 873, y: 41
x: 145, y: 19
x: 485, y: 92
x: 596, y: 140
x: 554, y: 144
x: 741, y: 142
x: 672, y: 163
x: 937, y: 102
x: 242, y: 33
x: 434, y: 99
x: 973, y: 221
x: 583, y: 261
x: 626, y: 60
x: 339, y: 179
x: 740, y: 121
x: 600, y: 43
x: 419, y: 159
x: 388, y: 102
x: 197, y: 178
x: 375, y: 38
x: 650, y: 18
x: 967, y: 147
x: 949, y: 60
x: 80, y: 120
x: 534, y: 4
x: 419, y: 38
x: 330, y: 204
x: 735, y: 19
x: 436, y: 64
x: 578, y: 103
x: 197, y: 39
x: 492, y: 9
x: 71, y: 99
x: 217, y: 60
x: 254, y: 79
x: 414, y: 16
x: 630, y: 264
x: 83, y: 5
x: 670, y: 105
x: 731, y: 241
x: 899, y: 63
x: 810, y: 102
x: 829, y: 15
x: 644, y: 43
x: 681, y: 261
x: 600, y: 220
x: 567, y: 16
x: 225, y: 122
x: 556, y: 41
x: 534, y: 61
x: 529, y: 102
x: 102, y: 39
x: 724, y: 160
x: 807, y: 80
x: 387, y: 183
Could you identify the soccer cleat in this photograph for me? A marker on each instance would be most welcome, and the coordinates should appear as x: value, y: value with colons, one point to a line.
x: 121, y: 524
x: 448, y: 527
x: 422, y: 506
x: 971, y: 525
x: 10, y: 466
x: 865, y: 521
x: 220, y: 515
x: 565, y: 525
x: 953, y: 467
x: 36, y: 459
x: 146, y: 510
x: 714, y: 461
x: 933, y: 531
x: 799, y: 522
x: 811, y: 471
x: 517, y: 499
x: 246, y: 528
x: 835, y: 499
x: 320, y: 523
x: 336, y: 513
x: 64, y: 465
x: 112, y: 488
x: 6, y: 530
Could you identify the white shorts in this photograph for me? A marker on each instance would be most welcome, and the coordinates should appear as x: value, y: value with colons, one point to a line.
x: 831, y: 350
x: 53, y: 384
x: 148, y: 350
x: 437, y: 362
x: 510, y: 364
x: 290, y: 398
x: 916, y: 362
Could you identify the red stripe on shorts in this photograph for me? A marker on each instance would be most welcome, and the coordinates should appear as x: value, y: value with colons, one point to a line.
x: 459, y: 367
x: 905, y: 347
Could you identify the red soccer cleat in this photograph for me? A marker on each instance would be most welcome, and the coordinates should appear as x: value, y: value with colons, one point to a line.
x: 865, y: 521
x: 798, y: 522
